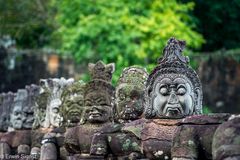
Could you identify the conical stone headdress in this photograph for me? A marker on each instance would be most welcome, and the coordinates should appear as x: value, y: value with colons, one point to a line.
x: 101, y: 75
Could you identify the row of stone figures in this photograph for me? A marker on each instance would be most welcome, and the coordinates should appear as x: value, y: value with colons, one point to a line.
x: 147, y: 116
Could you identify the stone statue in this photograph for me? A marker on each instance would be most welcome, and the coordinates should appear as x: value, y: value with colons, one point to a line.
x: 98, y: 102
x: 72, y: 104
x: 173, y: 87
x: 130, y: 93
x: 28, y: 109
x: 41, y: 104
x: 39, y: 114
x: 53, y: 117
x: 173, y: 91
x: 13, y: 142
x: 194, y: 136
x: 16, y: 116
x: 47, y: 110
x: 5, y: 107
x: 71, y: 110
x: 129, y: 106
x: 226, y: 140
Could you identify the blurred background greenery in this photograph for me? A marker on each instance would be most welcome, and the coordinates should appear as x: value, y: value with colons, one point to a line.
x: 128, y: 33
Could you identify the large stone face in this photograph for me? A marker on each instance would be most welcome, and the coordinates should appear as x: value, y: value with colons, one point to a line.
x: 173, y: 96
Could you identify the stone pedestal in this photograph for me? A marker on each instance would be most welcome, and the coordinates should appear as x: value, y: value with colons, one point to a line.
x: 194, y: 136
x: 226, y: 140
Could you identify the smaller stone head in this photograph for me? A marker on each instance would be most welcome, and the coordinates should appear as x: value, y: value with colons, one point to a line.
x: 5, y: 107
x: 130, y: 93
x: 16, y: 116
x: 41, y: 103
x: 56, y: 86
x: 99, y: 93
x: 72, y: 103
x: 173, y: 88
x: 28, y: 109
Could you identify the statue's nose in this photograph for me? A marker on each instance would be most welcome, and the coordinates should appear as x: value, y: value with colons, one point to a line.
x: 173, y: 99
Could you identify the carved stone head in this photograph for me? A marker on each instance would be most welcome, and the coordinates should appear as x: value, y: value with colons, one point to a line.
x: 130, y: 93
x: 5, y: 108
x: 99, y: 93
x: 173, y: 87
x: 28, y: 109
x: 56, y: 86
x: 41, y: 104
x: 72, y: 103
x: 16, y: 116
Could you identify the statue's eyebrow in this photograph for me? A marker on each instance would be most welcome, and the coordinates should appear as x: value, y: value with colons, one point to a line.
x: 166, y: 81
x: 179, y: 81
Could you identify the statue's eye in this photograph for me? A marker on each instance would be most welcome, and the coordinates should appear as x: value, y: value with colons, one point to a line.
x: 25, y: 114
x: 122, y: 96
x: 134, y: 95
x: 80, y: 102
x: 181, y: 90
x: 163, y: 91
x: 55, y: 110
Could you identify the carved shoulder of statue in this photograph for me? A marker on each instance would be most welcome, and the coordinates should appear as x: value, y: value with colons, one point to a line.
x: 71, y: 140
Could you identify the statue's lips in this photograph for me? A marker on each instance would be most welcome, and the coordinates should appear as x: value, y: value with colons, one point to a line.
x: 30, y: 122
x: 173, y: 111
x: 95, y: 114
x: 75, y: 114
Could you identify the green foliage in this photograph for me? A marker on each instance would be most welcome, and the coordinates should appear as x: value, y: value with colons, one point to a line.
x: 219, y: 22
x: 122, y: 31
x: 207, y: 109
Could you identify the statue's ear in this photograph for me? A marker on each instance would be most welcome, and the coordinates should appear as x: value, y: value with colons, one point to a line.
x: 110, y: 67
x: 198, y: 101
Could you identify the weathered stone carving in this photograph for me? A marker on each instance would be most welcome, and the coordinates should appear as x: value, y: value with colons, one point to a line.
x: 72, y: 104
x: 194, y: 136
x: 71, y: 110
x: 41, y: 104
x: 28, y: 109
x: 16, y: 115
x: 39, y: 114
x: 226, y: 140
x: 129, y: 106
x: 173, y: 87
x: 173, y: 91
x: 130, y: 93
x: 47, y: 112
x: 53, y: 117
x: 13, y: 142
x: 5, y: 108
x: 98, y: 101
